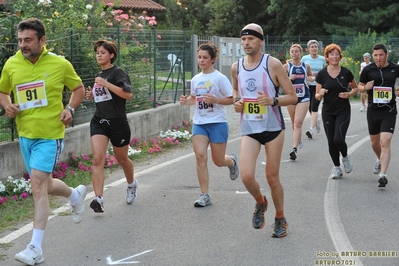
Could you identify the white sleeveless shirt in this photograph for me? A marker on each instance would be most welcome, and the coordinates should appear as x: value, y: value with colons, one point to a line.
x: 256, y: 118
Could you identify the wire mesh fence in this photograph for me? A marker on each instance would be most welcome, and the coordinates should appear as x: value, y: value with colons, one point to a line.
x: 154, y: 60
x: 159, y: 62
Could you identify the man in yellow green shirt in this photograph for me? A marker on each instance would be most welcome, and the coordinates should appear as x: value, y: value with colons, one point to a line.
x: 37, y: 77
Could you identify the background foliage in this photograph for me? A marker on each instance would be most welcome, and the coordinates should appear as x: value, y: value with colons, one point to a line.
x: 282, y: 17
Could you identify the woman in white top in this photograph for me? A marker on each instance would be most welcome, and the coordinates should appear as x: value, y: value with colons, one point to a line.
x: 210, y: 92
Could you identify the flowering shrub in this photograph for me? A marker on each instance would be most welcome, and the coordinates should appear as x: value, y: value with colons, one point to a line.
x: 14, y: 189
x: 169, y: 138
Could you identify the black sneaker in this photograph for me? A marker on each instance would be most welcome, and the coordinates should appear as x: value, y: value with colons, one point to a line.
x: 97, y: 204
x: 293, y: 155
x: 258, y: 218
x: 280, y: 228
x: 382, y: 181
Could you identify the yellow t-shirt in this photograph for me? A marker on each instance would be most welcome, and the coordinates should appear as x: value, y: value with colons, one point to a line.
x: 37, y: 88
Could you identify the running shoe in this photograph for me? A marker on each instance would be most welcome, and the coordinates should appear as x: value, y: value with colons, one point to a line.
x: 382, y: 181
x: 318, y: 125
x: 362, y: 108
x: 30, y: 256
x: 309, y: 133
x: 280, y: 227
x: 258, y: 218
x: 97, y: 204
x: 293, y: 155
x: 337, y: 172
x: 204, y: 200
x: 79, y: 208
x: 300, y: 144
x: 234, y: 171
x: 132, y: 192
x: 377, y: 167
x: 347, y: 164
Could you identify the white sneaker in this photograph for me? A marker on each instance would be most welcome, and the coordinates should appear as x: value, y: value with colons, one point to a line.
x: 337, y: 172
x: 79, y: 208
x: 309, y: 133
x: 318, y: 125
x: 204, y: 200
x: 132, y: 192
x: 377, y: 167
x: 362, y: 108
x: 347, y: 164
x: 30, y: 256
x: 300, y: 144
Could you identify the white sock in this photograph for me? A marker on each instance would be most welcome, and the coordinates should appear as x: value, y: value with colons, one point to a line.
x: 37, y: 239
x: 73, y: 199
x: 130, y: 185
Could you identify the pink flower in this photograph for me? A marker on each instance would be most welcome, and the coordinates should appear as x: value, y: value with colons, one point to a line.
x: 24, y: 195
x: 110, y: 4
x: 15, y: 197
x: 89, y: 28
x: 159, y: 37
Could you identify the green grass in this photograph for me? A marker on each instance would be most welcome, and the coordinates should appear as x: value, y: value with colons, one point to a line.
x: 165, y: 74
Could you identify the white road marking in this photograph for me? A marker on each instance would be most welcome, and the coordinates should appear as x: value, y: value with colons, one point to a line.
x: 331, y: 213
x: 122, y: 261
x: 28, y: 227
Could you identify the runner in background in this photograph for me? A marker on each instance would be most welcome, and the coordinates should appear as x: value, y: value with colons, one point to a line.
x: 363, y: 95
x: 316, y: 63
x: 300, y: 75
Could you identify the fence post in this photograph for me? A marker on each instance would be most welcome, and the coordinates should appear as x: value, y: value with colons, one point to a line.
x: 119, y: 45
x: 194, y: 45
x: 154, y: 31
x: 218, y: 63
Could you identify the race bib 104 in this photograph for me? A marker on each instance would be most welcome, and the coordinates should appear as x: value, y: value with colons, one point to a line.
x: 382, y: 94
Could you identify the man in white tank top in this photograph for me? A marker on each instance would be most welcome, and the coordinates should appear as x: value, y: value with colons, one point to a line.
x: 256, y: 80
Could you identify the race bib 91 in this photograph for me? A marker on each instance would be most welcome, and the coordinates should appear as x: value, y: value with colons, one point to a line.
x: 32, y: 95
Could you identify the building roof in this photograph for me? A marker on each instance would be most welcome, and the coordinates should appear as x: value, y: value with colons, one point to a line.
x: 138, y: 4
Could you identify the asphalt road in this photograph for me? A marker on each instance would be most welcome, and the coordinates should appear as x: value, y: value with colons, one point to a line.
x: 331, y: 222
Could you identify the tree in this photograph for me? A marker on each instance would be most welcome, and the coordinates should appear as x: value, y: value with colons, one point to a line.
x: 297, y: 17
x: 192, y: 15
x: 359, y: 16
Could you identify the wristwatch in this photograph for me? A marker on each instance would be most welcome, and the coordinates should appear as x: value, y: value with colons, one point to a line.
x: 71, y: 109
x: 275, y: 102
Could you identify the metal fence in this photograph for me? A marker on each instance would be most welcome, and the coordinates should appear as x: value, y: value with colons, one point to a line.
x: 159, y: 62
x: 155, y: 61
